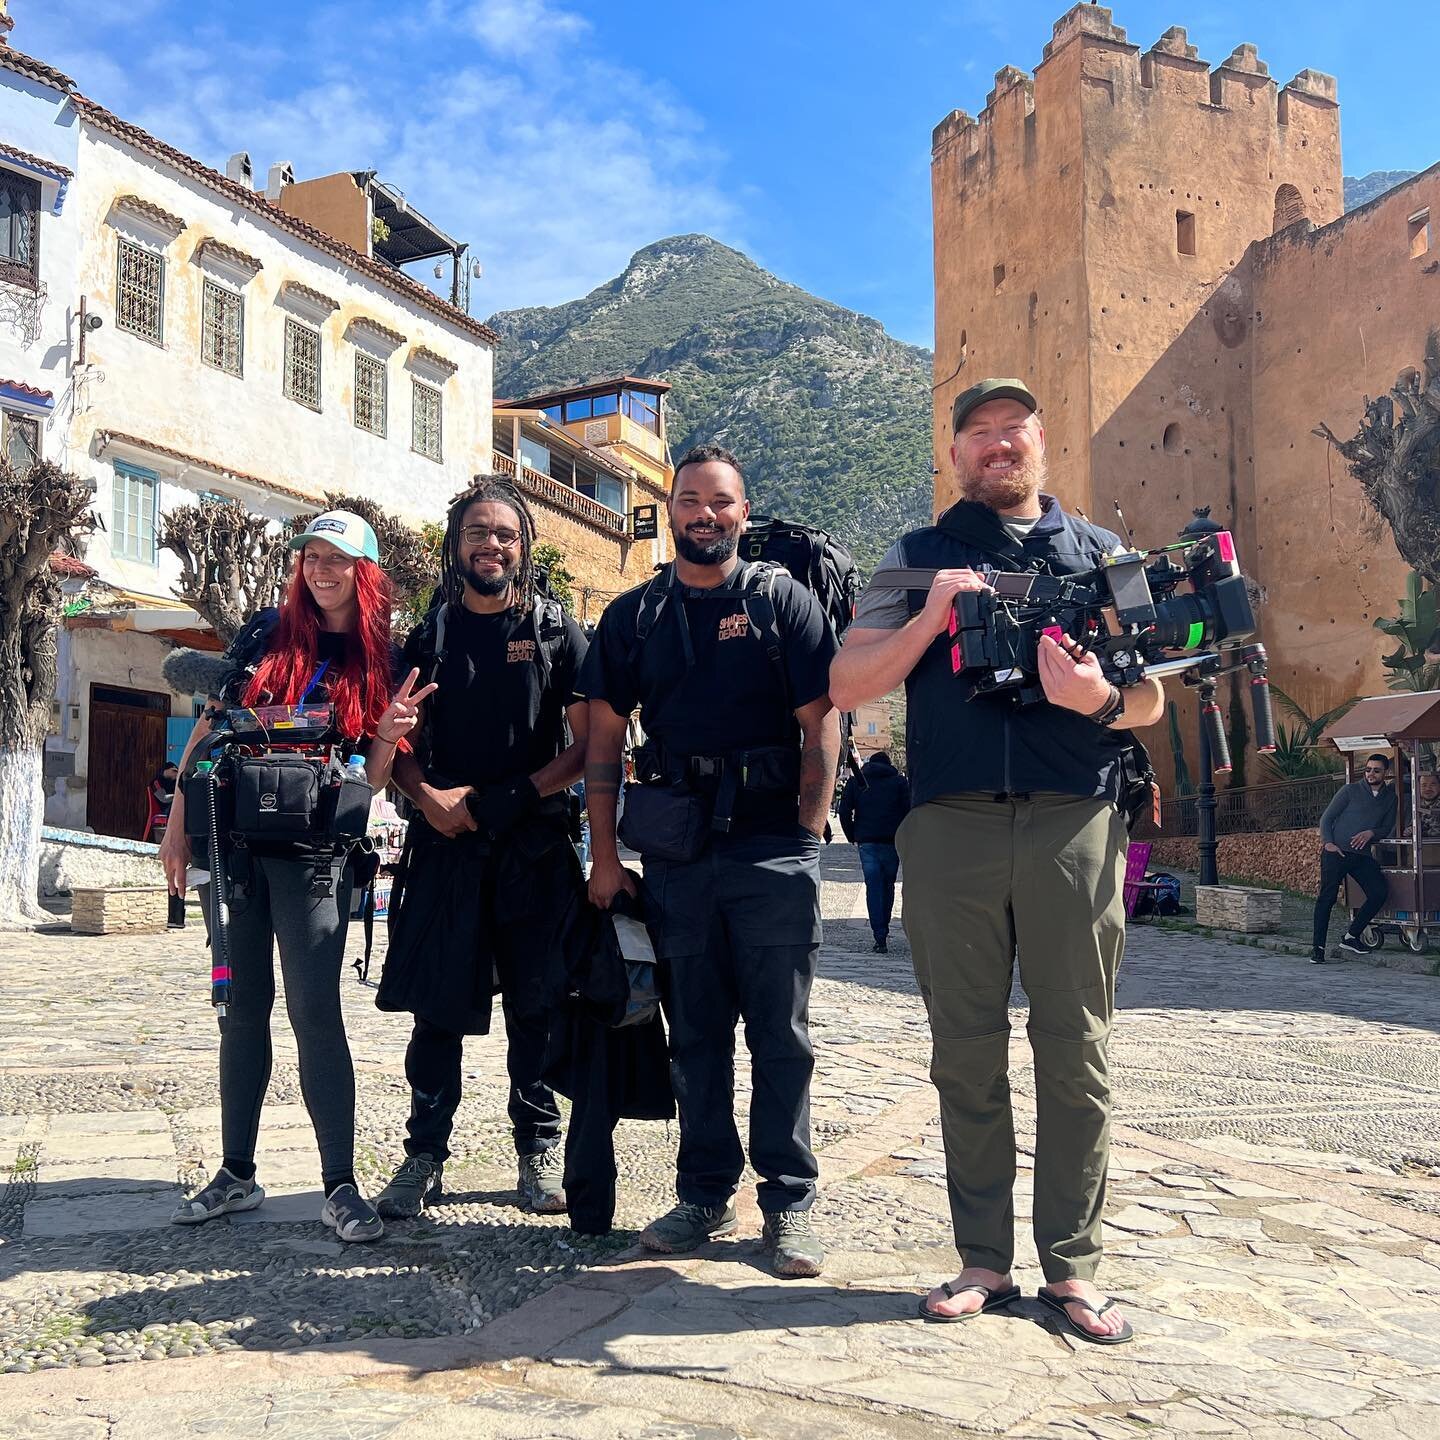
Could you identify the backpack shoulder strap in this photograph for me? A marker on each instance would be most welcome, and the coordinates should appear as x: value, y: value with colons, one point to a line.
x: 652, y: 606
x: 757, y: 589
x: 549, y: 620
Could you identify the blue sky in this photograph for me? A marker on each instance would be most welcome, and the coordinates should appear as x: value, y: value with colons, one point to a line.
x: 559, y: 136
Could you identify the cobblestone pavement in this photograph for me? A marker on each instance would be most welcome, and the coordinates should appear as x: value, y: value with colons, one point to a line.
x: 1273, y: 1229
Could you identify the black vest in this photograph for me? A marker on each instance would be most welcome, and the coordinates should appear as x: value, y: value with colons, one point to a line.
x: 989, y: 743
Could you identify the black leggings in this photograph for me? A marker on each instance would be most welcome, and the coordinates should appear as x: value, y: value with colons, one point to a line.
x: 311, y: 933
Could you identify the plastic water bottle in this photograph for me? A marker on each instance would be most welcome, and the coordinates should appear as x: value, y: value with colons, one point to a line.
x: 355, y: 768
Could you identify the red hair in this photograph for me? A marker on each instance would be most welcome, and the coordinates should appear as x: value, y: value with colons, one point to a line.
x: 360, y: 687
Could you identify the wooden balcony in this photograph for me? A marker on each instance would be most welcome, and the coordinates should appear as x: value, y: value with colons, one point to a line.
x: 552, y: 492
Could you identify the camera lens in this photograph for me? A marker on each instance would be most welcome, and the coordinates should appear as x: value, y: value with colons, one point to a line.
x: 1183, y: 622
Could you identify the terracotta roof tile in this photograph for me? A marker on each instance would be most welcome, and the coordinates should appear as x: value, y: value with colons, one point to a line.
x: 70, y: 567
x: 373, y: 327
x: 308, y: 296
x: 51, y: 167
x: 105, y: 438
x: 211, y: 246
x: 98, y: 116
x: 35, y: 69
x: 424, y: 355
x: 28, y: 390
x: 149, y: 210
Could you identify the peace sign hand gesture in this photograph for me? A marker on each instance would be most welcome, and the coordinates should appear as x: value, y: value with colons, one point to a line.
x: 403, y: 713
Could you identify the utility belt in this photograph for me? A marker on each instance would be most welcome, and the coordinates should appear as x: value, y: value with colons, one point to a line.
x: 677, y: 801
x: 277, y: 797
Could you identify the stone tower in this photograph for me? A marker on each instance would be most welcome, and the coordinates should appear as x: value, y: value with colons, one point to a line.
x: 1089, y: 228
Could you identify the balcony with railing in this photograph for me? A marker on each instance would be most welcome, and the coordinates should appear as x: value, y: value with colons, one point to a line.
x: 557, y: 493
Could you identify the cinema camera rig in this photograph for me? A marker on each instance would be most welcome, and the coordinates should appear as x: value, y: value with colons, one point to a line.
x: 1131, y: 613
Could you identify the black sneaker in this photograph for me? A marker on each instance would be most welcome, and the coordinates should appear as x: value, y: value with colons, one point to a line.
x: 415, y: 1185
x: 351, y: 1216
x: 687, y: 1226
x: 797, y: 1251
x: 540, y: 1181
x: 1353, y: 945
x: 224, y: 1195
x: 881, y: 947
x: 1317, y: 955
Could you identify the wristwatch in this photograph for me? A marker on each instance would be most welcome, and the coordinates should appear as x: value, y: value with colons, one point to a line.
x: 1111, y: 708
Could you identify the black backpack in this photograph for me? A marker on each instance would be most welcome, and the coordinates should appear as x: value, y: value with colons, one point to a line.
x: 818, y: 561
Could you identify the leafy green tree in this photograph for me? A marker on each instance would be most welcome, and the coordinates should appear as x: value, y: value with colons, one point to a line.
x: 1298, y: 754
x: 1408, y: 667
x: 550, y: 559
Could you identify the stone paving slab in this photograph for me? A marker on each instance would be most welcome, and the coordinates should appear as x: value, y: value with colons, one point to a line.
x: 1277, y: 1164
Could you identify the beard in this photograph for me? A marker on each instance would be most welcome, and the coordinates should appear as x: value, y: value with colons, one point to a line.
x: 715, y: 551
x: 491, y: 585
x: 1008, y: 489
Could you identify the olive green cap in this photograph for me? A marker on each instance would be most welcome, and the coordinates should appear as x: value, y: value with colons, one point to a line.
x: 993, y: 389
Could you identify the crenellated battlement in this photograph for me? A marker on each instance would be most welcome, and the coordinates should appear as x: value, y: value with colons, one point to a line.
x: 1088, y: 51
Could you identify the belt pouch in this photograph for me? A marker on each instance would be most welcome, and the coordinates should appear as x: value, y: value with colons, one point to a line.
x: 664, y: 822
x: 276, y: 795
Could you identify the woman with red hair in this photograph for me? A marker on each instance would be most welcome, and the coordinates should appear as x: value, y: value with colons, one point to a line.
x: 328, y: 643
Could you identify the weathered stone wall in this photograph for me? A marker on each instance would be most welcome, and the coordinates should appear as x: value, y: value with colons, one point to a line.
x: 1340, y: 312
x: 1289, y: 859
x: 603, y: 565
x: 71, y: 861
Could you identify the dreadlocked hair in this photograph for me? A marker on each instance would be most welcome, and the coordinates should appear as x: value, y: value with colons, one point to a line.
x: 501, y: 492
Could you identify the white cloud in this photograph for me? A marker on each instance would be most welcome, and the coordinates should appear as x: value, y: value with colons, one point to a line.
x: 521, y: 28
x: 554, y: 164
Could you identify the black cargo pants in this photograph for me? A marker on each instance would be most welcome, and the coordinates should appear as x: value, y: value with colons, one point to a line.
x: 738, y: 935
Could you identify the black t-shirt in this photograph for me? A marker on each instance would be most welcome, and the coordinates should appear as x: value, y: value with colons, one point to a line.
x: 494, y: 716
x: 731, y: 698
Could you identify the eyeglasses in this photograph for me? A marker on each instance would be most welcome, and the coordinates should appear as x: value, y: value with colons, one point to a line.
x: 479, y: 534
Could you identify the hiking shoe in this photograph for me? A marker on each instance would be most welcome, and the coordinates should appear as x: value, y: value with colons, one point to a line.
x: 415, y: 1185
x: 540, y: 1181
x: 687, y: 1226
x: 222, y: 1196
x: 1317, y: 955
x: 1353, y: 945
x: 797, y: 1251
x: 351, y: 1216
x: 880, y: 947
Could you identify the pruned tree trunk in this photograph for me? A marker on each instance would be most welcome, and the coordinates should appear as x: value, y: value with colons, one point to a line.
x: 1395, y: 455
x: 42, y: 511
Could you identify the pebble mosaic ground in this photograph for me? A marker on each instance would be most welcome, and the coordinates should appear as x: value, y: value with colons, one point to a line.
x: 1273, y: 1229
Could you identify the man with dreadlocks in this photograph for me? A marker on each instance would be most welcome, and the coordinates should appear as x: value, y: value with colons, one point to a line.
x: 490, y: 885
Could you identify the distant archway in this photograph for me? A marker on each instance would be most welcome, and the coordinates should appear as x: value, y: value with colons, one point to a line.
x: 1171, y: 442
x: 1289, y: 208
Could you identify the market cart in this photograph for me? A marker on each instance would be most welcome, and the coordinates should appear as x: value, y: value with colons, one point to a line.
x: 1408, y: 728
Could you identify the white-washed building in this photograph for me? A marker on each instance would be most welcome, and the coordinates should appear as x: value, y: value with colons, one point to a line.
x: 225, y: 340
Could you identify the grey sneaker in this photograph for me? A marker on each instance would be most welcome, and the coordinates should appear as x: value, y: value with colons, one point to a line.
x: 539, y: 1181
x: 351, y: 1216
x: 687, y: 1226
x: 797, y: 1251
x: 416, y: 1184
x: 222, y: 1196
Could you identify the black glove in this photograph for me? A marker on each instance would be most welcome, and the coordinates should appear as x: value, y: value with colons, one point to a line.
x: 499, y: 808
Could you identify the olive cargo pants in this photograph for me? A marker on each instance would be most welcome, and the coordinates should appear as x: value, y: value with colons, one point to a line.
x: 986, y: 881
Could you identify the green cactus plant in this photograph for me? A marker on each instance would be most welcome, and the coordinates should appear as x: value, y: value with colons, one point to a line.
x: 1407, y: 668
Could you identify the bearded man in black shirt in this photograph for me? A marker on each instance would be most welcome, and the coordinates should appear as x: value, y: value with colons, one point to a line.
x: 490, y: 884
x: 729, y: 665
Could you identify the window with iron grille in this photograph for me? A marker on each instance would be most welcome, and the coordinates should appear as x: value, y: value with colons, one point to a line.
x: 140, y: 292
x: 369, y: 393
x: 22, y: 441
x: 222, y: 329
x: 302, y: 363
x: 19, y: 228
x: 425, y: 426
x: 132, y: 529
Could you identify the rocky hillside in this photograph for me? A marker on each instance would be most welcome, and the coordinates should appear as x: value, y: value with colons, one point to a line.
x: 830, y: 415
x: 1361, y: 189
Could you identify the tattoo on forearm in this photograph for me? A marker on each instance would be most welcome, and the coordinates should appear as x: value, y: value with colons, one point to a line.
x: 602, y: 779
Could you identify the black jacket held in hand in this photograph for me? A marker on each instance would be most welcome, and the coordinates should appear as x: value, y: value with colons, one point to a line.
x: 959, y: 742
x: 873, y: 803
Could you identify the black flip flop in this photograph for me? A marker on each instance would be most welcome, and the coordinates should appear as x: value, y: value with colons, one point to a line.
x: 1058, y: 1303
x: 994, y: 1300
